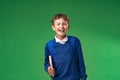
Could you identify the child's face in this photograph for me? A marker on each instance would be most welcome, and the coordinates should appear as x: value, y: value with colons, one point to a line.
x: 60, y: 26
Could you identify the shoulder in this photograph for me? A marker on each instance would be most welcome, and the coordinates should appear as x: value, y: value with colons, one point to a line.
x: 50, y: 43
x: 73, y: 38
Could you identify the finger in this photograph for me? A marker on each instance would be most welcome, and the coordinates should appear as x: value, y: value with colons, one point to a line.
x: 51, y: 73
x: 52, y: 68
x: 49, y: 70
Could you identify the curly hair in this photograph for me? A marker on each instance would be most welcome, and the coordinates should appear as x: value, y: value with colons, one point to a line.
x: 58, y: 16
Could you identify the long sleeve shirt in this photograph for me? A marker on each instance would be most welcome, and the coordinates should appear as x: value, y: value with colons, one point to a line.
x: 67, y: 59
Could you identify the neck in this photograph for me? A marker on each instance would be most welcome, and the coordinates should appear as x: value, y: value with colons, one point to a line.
x: 60, y: 37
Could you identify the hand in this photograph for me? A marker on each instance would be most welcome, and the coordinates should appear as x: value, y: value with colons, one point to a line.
x: 51, y: 71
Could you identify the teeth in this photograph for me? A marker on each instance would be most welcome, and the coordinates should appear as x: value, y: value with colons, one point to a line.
x: 61, y: 30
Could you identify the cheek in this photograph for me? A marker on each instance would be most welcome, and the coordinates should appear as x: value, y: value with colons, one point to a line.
x: 53, y: 27
x: 67, y: 27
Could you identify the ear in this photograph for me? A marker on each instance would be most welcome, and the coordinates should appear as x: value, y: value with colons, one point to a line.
x: 68, y: 25
x: 53, y: 27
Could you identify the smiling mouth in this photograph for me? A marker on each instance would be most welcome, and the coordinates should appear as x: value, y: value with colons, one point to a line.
x: 61, y: 30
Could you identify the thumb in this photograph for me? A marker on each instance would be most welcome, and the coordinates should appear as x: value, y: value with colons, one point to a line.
x: 51, y: 68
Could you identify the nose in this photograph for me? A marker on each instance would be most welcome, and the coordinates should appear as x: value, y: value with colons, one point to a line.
x: 62, y: 25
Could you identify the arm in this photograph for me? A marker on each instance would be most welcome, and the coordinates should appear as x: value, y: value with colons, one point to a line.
x: 82, y: 68
x: 48, y: 63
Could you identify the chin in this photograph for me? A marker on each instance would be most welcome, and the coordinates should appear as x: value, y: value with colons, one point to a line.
x: 62, y: 35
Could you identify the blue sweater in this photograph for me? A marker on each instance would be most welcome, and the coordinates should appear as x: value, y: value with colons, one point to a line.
x: 67, y: 59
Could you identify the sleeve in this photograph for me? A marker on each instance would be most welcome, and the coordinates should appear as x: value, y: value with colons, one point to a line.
x: 82, y: 68
x: 46, y: 60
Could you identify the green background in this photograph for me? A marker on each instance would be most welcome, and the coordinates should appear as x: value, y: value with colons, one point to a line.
x: 25, y: 27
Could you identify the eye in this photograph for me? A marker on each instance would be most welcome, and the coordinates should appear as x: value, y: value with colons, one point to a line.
x: 64, y: 24
x: 58, y: 24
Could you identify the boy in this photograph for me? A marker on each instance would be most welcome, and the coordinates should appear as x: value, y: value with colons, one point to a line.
x: 65, y: 51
